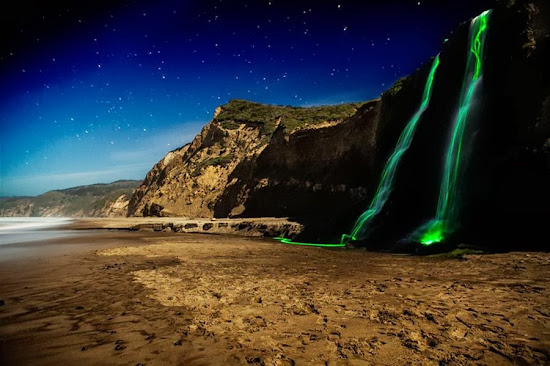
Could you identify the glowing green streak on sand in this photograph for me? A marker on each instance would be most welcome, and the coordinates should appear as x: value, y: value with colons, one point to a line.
x: 386, y: 180
x: 437, y: 228
x: 390, y: 169
x: 288, y: 241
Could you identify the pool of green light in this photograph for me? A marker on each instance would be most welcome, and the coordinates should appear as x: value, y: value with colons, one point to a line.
x: 434, y: 233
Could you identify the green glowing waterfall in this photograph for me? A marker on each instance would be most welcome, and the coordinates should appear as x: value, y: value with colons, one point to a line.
x: 388, y: 174
x: 445, y: 219
x: 444, y: 222
x: 386, y: 180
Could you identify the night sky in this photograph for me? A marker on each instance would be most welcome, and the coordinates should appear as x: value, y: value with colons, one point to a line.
x: 101, y: 91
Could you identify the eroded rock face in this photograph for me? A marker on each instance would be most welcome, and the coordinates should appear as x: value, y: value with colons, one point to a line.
x: 316, y: 173
x: 117, y: 208
x: 188, y: 181
x: 191, y: 181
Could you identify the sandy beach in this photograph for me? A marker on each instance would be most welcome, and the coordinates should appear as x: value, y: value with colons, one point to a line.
x: 155, y: 298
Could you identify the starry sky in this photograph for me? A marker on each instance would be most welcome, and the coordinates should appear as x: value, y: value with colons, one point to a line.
x: 99, y: 91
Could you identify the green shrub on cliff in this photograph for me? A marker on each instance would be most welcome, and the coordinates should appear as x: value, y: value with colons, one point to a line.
x: 217, y: 161
x: 397, y: 86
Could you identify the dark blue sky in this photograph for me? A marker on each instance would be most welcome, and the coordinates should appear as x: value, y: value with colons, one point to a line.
x: 99, y: 92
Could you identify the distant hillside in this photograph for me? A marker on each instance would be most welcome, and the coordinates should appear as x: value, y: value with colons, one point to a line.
x: 96, y: 200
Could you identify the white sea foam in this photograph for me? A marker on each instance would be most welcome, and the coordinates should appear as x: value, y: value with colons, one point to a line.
x: 26, y: 223
x: 24, y: 229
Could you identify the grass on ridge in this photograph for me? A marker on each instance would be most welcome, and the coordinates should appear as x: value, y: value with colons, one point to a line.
x: 238, y: 111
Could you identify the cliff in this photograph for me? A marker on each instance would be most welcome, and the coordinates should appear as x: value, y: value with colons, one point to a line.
x: 504, y: 190
x: 321, y: 165
x: 190, y: 181
x: 96, y: 200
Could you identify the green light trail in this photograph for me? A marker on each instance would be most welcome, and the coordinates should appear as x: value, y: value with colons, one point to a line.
x: 386, y: 180
x: 436, y: 229
x: 288, y: 241
x: 390, y: 169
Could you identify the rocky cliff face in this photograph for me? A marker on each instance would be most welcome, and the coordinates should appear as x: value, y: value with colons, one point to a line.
x: 191, y: 181
x: 503, y: 191
x: 510, y: 182
x: 97, y: 200
x: 254, y: 160
x: 188, y: 181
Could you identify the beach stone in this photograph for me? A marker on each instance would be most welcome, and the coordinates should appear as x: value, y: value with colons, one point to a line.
x: 245, y: 226
x: 252, y: 359
x: 119, y: 345
x: 432, y: 342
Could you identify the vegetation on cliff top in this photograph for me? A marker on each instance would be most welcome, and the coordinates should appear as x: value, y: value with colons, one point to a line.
x: 397, y: 86
x: 241, y: 111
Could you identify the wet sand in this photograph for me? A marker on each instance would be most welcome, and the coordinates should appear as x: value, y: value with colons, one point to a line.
x: 129, y: 298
